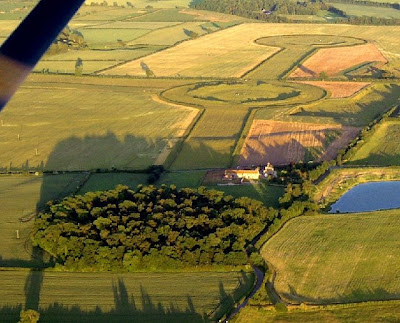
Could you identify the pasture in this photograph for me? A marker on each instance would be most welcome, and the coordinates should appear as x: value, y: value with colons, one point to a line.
x: 382, y: 147
x: 112, y: 297
x: 360, y: 10
x: 20, y: 197
x: 108, y: 126
x: 319, y: 259
x: 354, y: 313
x: 282, y: 143
x: 356, y: 111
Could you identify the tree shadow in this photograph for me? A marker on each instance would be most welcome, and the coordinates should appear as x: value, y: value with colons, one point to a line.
x: 124, y: 309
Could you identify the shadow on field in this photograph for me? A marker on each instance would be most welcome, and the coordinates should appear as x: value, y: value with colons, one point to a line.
x: 355, y: 296
x: 125, y: 309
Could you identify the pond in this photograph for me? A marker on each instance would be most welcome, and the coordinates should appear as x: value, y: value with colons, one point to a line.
x: 369, y: 197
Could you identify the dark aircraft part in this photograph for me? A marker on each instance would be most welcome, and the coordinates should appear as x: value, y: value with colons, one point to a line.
x: 27, y: 44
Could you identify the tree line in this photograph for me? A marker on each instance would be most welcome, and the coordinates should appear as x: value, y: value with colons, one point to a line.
x: 274, y: 10
x: 150, y: 227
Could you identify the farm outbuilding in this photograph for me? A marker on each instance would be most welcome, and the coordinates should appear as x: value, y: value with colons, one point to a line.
x: 242, y: 173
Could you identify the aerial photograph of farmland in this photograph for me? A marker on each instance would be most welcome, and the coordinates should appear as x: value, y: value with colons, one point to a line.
x: 200, y: 161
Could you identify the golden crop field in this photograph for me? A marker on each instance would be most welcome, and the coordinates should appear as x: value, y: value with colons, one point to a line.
x: 339, y: 90
x: 197, y: 56
x: 282, y: 143
x: 333, y: 61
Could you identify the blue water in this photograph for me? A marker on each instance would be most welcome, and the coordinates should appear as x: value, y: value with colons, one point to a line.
x: 369, y: 197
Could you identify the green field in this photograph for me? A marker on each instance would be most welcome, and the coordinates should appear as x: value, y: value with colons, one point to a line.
x: 382, y: 147
x: 269, y: 195
x: 320, y: 259
x: 20, y: 197
x: 358, y: 110
x: 360, y: 10
x: 112, y: 297
x: 108, y: 125
x: 108, y: 181
x: 380, y: 312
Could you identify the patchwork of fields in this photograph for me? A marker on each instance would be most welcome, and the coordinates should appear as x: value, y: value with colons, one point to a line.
x: 196, y: 90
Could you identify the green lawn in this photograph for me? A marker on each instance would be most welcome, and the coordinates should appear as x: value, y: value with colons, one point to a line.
x: 112, y: 297
x: 337, y: 258
x: 269, y: 195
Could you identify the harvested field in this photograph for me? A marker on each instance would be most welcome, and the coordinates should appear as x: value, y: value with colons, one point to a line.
x: 332, y: 61
x: 339, y: 90
x: 282, y: 143
x: 230, y: 53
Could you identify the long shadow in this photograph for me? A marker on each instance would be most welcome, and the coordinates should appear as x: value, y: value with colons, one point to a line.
x: 71, y: 155
x: 124, y: 310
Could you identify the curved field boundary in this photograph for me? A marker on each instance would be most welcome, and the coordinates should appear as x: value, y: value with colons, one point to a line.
x: 339, y: 90
x: 185, y: 128
x: 333, y: 61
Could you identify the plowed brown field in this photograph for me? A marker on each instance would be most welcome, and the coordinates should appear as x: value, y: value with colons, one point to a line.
x: 332, y: 61
x: 282, y: 143
x: 340, y: 89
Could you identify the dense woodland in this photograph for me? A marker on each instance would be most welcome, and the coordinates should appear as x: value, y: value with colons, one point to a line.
x: 150, y: 228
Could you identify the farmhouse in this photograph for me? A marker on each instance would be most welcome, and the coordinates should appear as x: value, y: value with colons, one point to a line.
x: 242, y: 173
x: 269, y: 170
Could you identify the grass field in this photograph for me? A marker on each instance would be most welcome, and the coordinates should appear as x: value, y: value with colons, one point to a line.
x: 321, y: 260
x: 358, y: 110
x: 108, y: 126
x: 382, y: 147
x: 21, y: 196
x: 108, y: 297
x: 108, y: 181
x: 381, y: 312
x: 360, y: 10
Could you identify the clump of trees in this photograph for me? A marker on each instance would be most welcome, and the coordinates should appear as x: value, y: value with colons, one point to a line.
x: 67, y: 39
x: 150, y: 228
